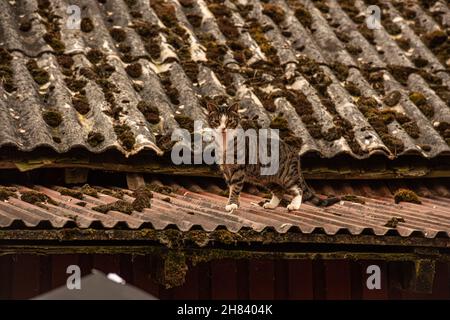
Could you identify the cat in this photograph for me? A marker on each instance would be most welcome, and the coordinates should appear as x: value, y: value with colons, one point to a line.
x: 288, y: 177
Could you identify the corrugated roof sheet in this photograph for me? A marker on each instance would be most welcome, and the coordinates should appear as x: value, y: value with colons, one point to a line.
x: 199, y: 206
x: 307, y: 60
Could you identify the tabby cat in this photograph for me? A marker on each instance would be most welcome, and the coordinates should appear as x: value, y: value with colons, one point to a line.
x: 287, y: 179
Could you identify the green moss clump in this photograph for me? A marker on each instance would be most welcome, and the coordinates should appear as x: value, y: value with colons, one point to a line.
x: 166, y: 13
x: 124, y: 48
x: 134, y: 70
x: 401, y: 73
x: 152, y: 46
x: 81, y: 203
x: 443, y: 93
x: 86, y: 25
x: 95, y: 56
x: 104, y: 70
x: 6, y: 72
x: 191, y: 70
x: 40, y: 76
x: 150, y: 112
x: 379, y: 119
x: 368, y: 102
x: 75, y: 85
x: 303, y: 16
x: 145, y: 29
x: 435, y: 38
x: 142, y: 199
x: 195, y: 20
x: 88, y: 190
x: 119, y: 205
x: 34, y: 197
x: 444, y: 130
x: 130, y: 3
x: 353, y: 49
x: 392, y: 98
x: 158, y: 188
x: 353, y: 198
x: 185, y: 122
x: 393, y: 222
x: 403, y: 43
x: 125, y: 136
x: 69, y: 192
x: 312, y: 71
x: 81, y: 104
x: 405, y: 195
x: 118, y: 34
x: 267, y: 100
x: 116, y: 193
x: 429, y: 77
x: 5, y: 56
x: 250, y: 123
x: 340, y: 70
x: 6, y: 192
x: 420, y: 62
x: 244, y: 9
x: 275, y: 12
x: 52, y: 117
x: 350, y: 8
x: 404, y: 8
x: 88, y: 73
x: 53, y: 39
x: 411, y: 129
x: 394, y: 144
x: 95, y: 138
x: 417, y: 98
x: 427, y: 110
x: 322, y: 6
x: 342, y: 36
x: 65, y: 61
x: 279, y: 123
x: 367, y: 33
x: 173, y: 273
x: 353, y: 89
x: 391, y: 27
x: 257, y: 33
x: 227, y: 27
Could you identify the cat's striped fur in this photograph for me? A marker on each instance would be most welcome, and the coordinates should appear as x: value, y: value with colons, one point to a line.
x: 288, y: 178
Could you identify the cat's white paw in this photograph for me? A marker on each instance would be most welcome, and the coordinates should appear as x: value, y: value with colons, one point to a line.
x: 231, y: 207
x: 269, y: 205
x: 292, y: 207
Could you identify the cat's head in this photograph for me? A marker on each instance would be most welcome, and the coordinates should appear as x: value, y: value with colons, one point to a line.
x: 223, y: 116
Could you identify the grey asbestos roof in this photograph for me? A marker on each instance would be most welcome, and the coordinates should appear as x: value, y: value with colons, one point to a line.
x: 147, y: 67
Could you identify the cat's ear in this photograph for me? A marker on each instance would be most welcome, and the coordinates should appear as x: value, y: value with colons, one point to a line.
x: 234, y: 107
x: 210, y: 107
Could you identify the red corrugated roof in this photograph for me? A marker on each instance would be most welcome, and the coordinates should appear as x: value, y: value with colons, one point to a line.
x: 198, y: 206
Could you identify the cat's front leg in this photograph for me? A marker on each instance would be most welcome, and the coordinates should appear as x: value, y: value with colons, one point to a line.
x: 235, y: 187
x: 297, y: 200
